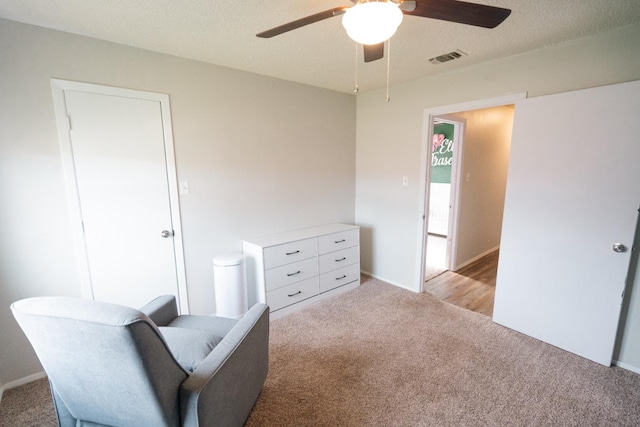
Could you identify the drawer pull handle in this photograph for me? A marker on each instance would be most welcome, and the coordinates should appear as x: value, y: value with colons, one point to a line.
x: 340, y: 241
x: 293, y: 274
x: 292, y: 253
x: 293, y: 295
x: 341, y: 259
x: 340, y: 278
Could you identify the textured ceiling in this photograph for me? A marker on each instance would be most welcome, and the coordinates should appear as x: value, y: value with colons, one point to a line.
x: 223, y: 32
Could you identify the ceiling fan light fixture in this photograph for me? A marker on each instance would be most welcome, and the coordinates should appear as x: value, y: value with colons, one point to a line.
x: 372, y: 22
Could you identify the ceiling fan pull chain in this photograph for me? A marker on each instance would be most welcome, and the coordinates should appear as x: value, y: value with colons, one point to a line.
x: 355, y: 87
x: 388, y: 66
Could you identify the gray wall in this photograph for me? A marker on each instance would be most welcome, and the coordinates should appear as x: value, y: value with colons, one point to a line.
x: 389, y: 137
x: 487, y: 142
x: 258, y: 153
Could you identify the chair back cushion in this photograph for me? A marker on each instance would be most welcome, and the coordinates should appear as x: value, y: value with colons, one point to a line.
x: 189, y: 346
x: 109, y: 364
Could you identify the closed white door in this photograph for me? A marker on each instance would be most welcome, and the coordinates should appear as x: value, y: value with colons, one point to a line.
x: 573, y: 191
x: 121, y: 177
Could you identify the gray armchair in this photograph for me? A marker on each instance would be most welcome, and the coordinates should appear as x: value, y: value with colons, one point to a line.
x: 110, y: 365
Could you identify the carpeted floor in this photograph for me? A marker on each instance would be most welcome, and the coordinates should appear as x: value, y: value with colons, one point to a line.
x: 383, y: 356
x: 29, y: 405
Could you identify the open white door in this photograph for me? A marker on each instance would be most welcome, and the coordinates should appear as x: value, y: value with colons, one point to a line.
x: 572, y: 193
x: 444, y: 185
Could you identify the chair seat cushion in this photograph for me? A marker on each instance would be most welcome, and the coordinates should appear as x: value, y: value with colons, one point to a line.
x: 189, y: 346
x: 217, y: 325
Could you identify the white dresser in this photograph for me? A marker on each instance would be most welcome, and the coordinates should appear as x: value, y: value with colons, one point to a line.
x: 291, y: 270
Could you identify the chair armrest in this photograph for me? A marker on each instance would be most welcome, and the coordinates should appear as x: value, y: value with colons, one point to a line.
x: 226, y: 384
x: 161, y: 310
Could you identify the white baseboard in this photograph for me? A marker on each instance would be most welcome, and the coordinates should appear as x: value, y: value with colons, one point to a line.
x: 627, y: 367
x: 21, y: 381
x: 477, y: 257
x: 387, y: 280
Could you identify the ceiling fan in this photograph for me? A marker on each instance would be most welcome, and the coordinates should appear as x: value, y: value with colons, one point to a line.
x: 382, y: 17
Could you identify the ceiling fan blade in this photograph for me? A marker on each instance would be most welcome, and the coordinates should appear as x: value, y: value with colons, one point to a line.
x: 302, y: 22
x: 373, y: 52
x: 461, y: 12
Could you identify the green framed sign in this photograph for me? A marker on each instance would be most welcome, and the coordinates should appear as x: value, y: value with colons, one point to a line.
x: 442, y: 153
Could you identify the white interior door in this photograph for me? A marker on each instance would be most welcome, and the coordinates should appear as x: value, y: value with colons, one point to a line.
x: 123, y: 192
x: 572, y: 193
x: 454, y: 198
x: 443, y: 201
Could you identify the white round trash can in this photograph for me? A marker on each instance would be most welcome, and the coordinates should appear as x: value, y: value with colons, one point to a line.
x: 229, y: 278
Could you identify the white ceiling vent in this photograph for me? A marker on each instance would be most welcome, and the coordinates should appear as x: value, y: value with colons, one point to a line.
x: 447, y: 57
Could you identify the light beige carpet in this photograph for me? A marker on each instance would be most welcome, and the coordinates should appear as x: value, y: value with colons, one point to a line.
x: 384, y: 356
x: 29, y: 405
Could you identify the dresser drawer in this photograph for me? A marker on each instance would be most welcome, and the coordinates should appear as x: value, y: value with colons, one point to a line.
x: 287, y: 253
x: 295, y: 272
x: 335, y: 242
x: 291, y: 294
x: 338, y: 259
x: 339, y: 277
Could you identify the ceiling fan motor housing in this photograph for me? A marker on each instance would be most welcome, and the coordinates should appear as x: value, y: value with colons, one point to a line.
x: 372, y: 22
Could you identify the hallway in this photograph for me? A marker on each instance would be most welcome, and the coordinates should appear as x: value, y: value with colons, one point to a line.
x: 472, y: 287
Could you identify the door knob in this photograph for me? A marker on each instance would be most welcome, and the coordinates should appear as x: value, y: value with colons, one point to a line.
x: 166, y: 233
x: 619, y: 247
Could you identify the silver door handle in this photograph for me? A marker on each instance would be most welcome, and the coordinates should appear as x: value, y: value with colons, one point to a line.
x: 619, y: 247
x: 166, y: 233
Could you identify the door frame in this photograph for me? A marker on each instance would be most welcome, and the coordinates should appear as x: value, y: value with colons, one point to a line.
x: 58, y: 88
x: 425, y: 167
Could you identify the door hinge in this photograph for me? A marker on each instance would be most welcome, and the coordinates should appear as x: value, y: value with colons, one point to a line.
x: 68, y: 123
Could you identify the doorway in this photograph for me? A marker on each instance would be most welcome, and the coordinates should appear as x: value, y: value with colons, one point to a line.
x: 479, y: 203
x: 446, y: 155
x: 117, y: 150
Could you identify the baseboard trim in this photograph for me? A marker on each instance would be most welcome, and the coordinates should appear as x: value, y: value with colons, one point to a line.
x: 627, y: 367
x: 477, y: 257
x: 21, y: 381
x: 387, y: 280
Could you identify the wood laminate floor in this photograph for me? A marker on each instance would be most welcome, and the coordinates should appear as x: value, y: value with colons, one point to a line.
x: 472, y: 287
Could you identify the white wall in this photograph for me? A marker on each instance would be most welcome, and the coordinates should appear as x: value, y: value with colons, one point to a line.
x: 389, y: 135
x: 487, y: 140
x: 259, y: 154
